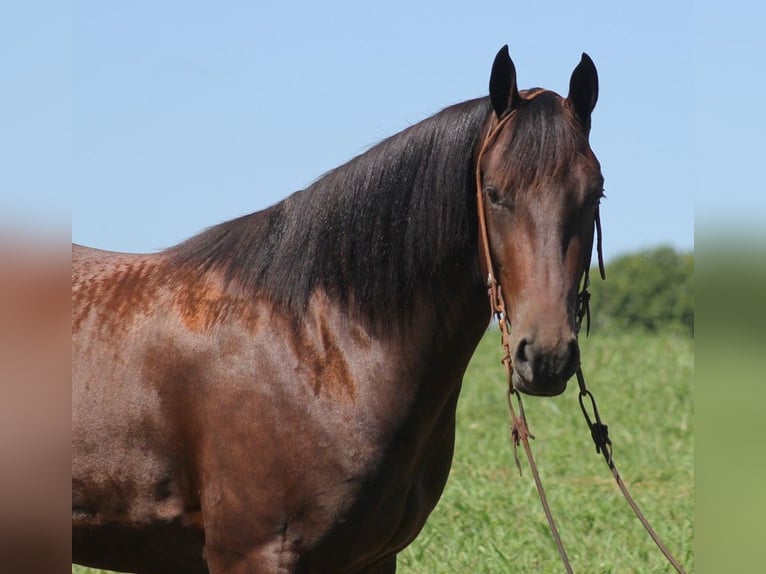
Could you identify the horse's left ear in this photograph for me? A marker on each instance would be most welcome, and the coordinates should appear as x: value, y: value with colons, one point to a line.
x: 583, y: 89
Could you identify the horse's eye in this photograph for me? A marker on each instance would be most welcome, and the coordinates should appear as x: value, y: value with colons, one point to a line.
x: 594, y: 201
x: 493, y: 194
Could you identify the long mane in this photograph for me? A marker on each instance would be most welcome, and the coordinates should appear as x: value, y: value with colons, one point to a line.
x: 399, y: 216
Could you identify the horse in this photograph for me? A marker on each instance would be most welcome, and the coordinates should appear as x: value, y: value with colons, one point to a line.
x: 277, y: 394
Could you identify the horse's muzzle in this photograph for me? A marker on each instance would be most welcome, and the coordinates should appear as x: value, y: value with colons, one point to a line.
x: 544, y: 370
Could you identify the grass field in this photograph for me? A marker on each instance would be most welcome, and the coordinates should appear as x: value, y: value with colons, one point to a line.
x: 489, y: 519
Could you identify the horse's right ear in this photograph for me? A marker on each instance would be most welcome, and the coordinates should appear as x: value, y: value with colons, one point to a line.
x: 502, y: 84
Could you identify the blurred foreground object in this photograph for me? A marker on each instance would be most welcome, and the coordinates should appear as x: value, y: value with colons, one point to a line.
x: 730, y: 396
x: 35, y: 402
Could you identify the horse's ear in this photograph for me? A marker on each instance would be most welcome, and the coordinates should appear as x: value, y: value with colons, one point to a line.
x: 583, y: 89
x: 502, y: 84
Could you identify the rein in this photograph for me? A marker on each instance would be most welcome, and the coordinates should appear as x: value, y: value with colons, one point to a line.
x: 520, y: 433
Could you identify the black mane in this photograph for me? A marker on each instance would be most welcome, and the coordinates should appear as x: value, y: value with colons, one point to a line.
x: 400, y: 216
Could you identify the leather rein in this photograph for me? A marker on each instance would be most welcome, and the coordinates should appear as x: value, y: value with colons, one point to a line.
x: 520, y: 433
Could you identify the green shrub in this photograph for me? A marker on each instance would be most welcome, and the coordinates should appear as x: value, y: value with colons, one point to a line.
x: 650, y: 290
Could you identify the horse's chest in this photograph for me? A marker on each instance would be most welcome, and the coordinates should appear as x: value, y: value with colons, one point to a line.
x: 332, y: 449
x: 389, y: 505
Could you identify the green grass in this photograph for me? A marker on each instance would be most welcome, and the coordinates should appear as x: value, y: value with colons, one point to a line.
x: 490, y: 519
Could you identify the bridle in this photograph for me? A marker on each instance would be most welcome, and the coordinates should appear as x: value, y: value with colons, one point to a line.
x: 520, y: 433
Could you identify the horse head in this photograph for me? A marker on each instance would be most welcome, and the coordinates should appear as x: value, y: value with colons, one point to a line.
x: 540, y: 186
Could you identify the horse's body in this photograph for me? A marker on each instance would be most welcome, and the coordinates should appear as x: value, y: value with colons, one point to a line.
x: 278, y: 393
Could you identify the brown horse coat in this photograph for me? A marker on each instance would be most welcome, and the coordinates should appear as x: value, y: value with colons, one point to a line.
x: 278, y: 393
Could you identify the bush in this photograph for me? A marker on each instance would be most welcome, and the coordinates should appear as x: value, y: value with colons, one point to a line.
x: 649, y: 290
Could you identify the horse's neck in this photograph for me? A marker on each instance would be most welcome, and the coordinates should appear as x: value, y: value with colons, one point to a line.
x: 446, y: 325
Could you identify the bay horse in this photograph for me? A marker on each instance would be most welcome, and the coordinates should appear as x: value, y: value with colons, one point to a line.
x: 277, y: 394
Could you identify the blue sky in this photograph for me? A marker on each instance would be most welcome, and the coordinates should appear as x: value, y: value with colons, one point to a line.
x: 153, y: 120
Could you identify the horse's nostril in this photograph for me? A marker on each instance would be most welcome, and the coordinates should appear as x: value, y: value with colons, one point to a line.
x: 521, y: 352
x: 523, y: 360
x: 572, y: 359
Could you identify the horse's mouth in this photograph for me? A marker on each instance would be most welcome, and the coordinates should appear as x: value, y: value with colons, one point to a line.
x: 547, y: 388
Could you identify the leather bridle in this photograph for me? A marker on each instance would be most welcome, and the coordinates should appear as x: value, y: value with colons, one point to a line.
x: 520, y: 433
